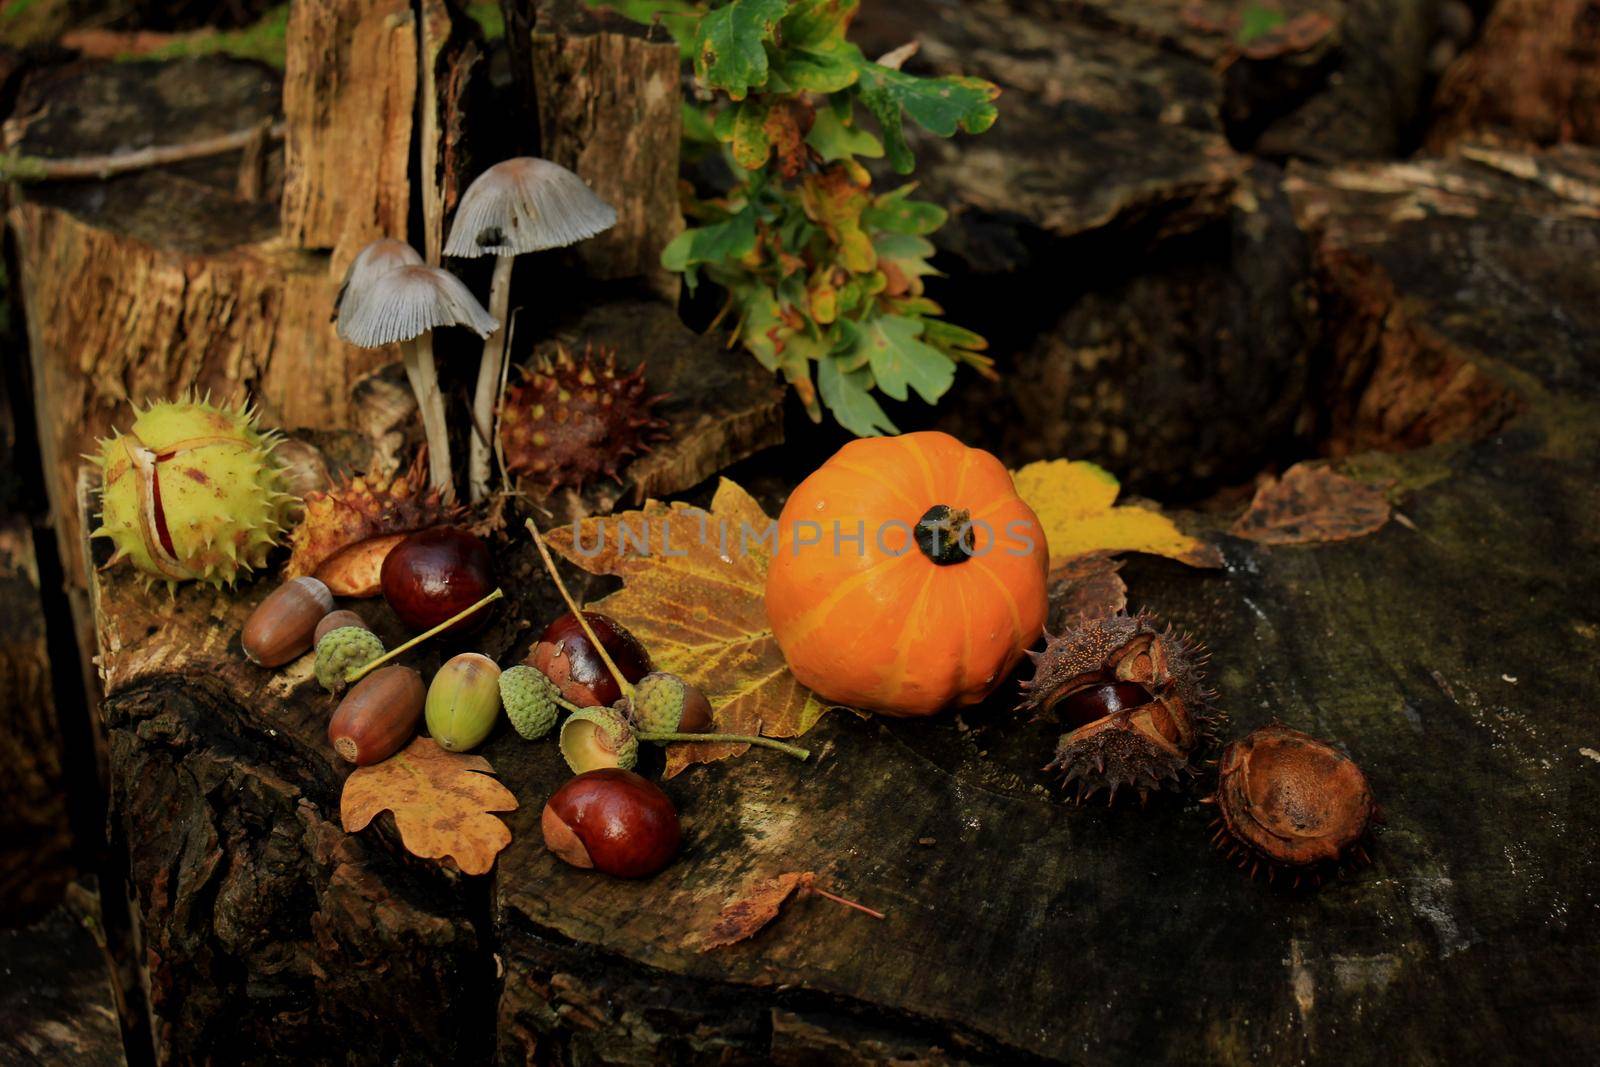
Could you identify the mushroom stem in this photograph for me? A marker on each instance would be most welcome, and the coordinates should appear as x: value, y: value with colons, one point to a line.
x: 483, y: 401
x: 424, y: 378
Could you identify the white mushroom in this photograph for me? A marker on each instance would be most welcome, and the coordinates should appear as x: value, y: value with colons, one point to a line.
x: 379, y: 257
x: 520, y: 205
x: 404, y: 305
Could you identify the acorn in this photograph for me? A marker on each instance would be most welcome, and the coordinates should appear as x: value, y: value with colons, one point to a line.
x: 463, y: 701
x: 665, y: 703
x: 282, y: 627
x: 378, y: 716
x: 531, y: 700
x: 1131, y: 694
x: 592, y: 738
x: 343, y: 649
x: 335, y: 619
x: 1291, y: 804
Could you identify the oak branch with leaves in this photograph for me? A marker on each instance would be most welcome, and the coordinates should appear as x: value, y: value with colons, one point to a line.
x: 824, y: 275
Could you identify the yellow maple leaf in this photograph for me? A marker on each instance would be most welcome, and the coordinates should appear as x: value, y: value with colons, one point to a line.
x: 693, y: 592
x: 1076, y: 504
x: 441, y: 803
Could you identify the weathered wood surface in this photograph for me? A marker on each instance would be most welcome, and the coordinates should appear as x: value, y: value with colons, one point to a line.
x: 159, y: 282
x: 56, y: 1003
x: 610, y: 109
x: 1452, y: 655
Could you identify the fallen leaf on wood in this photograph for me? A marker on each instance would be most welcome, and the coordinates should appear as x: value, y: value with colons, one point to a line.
x: 693, y: 593
x: 745, y: 916
x: 1075, y: 501
x: 1311, y: 504
x: 441, y: 803
x: 749, y: 914
x: 1088, y: 587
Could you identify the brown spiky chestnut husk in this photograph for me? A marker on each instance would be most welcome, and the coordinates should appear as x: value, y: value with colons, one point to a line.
x: 349, y: 529
x: 573, y: 419
x: 1291, y: 805
x: 1130, y: 693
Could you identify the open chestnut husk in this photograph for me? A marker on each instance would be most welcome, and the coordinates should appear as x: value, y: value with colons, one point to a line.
x: 613, y: 821
x: 1291, y: 804
x: 1131, y: 696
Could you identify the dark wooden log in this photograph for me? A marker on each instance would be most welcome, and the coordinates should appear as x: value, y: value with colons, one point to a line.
x: 56, y: 1003
x: 1014, y: 917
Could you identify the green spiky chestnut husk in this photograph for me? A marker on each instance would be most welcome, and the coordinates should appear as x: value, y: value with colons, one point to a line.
x: 191, y: 492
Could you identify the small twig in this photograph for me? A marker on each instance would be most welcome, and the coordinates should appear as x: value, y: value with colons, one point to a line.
x: 355, y: 674
x: 730, y: 739
x: 253, y: 165
x: 16, y: 167
x: 577, y: 613
x: 847, y: 903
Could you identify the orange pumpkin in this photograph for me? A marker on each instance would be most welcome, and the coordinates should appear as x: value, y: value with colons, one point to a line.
x: 908, y: 575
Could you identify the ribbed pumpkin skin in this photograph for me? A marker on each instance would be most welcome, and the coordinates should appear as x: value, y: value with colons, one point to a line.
x: 882, y: 627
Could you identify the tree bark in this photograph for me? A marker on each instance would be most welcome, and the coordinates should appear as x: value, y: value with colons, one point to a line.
x: 610, y: 109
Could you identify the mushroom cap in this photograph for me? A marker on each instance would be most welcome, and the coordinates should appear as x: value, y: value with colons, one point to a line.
x: 379, y: 257
x: 526, y: 205
x: 406, y: 302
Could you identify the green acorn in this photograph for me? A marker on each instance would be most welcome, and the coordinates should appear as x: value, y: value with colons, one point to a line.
x: 593, y: 738
x: 342, y: 650
x: 664, y: 703
x: 531, y: 700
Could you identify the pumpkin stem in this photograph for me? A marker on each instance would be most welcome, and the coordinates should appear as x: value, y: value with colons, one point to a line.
x: 572, y: 605
x: 945, y: 535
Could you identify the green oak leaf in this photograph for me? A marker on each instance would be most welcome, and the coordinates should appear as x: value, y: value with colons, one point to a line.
x: 833, y: 140
x: 719, y: 242
x: 899, y: 359
x: 731, y: 46
x: 848, y: 396
x: 820, y: 70
x: 748, y: 138
x: 1256, y: 22
x: 896, y: 212
x: 939, y: 105
x: 811, y: 23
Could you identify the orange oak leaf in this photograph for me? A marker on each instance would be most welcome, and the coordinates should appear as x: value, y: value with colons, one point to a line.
x: 441, y: 803
x: 693, y: 592
x: 1310, y: 504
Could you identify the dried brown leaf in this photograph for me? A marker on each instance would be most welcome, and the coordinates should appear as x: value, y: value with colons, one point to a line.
x: 1311, y: 504
x: 441, y: 803
x: 749, y: 914
x: 1086, y: 587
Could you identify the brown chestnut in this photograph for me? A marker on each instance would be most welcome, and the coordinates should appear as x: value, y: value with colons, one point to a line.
x: 378, y: 716
x: 566, y: 656
x: 336, y: 619
x: 613, y: 821
x: 435, y: 574
x: 284, y: 625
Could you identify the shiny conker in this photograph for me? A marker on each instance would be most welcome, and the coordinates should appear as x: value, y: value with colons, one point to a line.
x: 613, y: 821
x: 568, y: 658
x: 436, y: 573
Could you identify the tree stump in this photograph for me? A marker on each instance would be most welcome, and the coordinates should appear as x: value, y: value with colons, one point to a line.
x: 1014, y: 917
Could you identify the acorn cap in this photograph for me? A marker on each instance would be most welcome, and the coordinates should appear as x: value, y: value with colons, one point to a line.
x: 379, y: 257
x: 526, y: 205
x: 407, y: 302
x: 598, y: 737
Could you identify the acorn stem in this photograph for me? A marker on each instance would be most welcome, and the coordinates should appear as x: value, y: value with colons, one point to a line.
x: 848, y: 903
x: 355, y: 674
x: 740, y: 739
x: 572, y: 605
